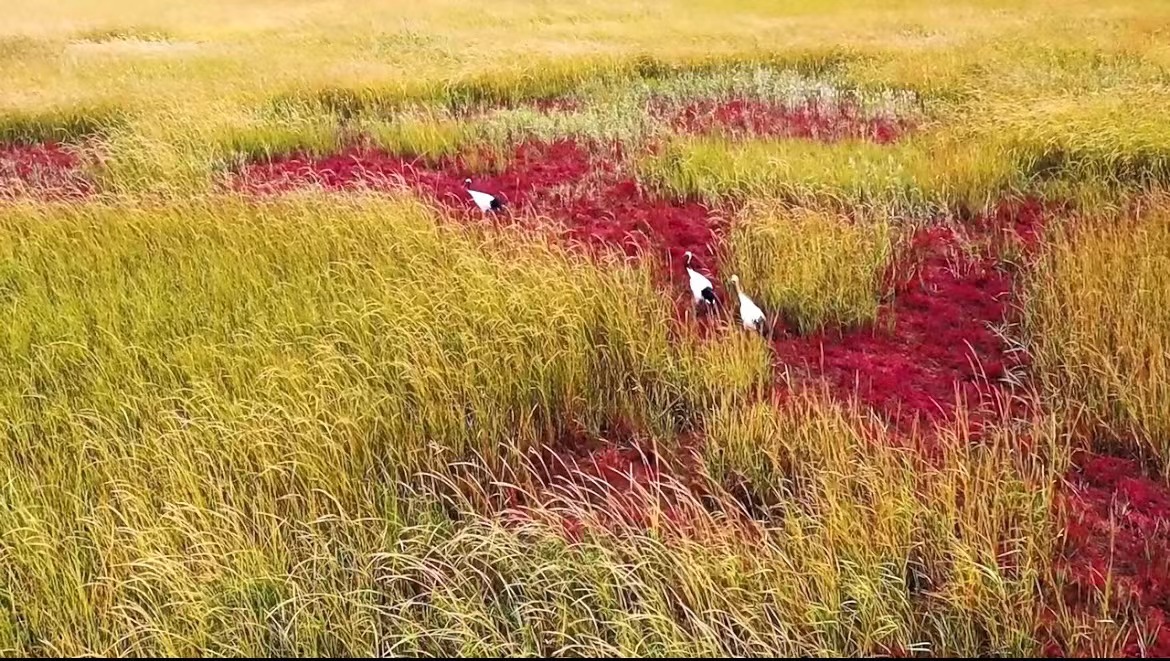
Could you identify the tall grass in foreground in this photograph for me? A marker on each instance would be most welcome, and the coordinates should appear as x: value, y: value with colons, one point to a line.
x: 1098, y: 311
x: 812, y: 268
x: 215, y: 416
x: 215, y: 412
x: 886, y: 548
x: 246, y: 334
x: 871, y: 550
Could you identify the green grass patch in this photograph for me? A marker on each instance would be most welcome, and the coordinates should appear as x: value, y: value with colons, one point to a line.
x: 59, y: 125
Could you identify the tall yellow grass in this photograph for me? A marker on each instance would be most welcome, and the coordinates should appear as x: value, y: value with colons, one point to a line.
x: 1097, y: 308
x: 400, y: 336
x: 218, y: 416
x: 811, y: 268
x: 203, y: 399
x: 867, y: 524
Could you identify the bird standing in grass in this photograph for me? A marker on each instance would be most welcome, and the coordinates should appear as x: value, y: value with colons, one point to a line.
x: 484, y: 201
x: 701, y: 287
x: 749, y: 313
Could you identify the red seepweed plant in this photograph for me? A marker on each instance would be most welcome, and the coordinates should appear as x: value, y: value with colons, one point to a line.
x: 49, y: 170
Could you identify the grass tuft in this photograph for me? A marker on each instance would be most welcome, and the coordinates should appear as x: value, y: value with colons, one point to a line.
x: 813, y: 269
x: 60, y: 125
x: 1097, y: 312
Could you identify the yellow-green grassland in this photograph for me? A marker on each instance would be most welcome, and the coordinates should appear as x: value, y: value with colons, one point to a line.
x: 272, y: 385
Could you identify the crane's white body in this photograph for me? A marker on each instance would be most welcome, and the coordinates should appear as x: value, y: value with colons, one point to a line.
x: 486, y: 202
x: 701, y: 288
x: 699, y: 284
x: 482, y: 200
x: 749, y: 313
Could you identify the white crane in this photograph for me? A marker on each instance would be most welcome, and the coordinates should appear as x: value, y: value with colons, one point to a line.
x: 484, y: 201
x: 749, y: 313
x: 701, y: 287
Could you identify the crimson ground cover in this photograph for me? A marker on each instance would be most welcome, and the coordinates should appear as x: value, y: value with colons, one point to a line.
x: 586, y: 193
x: 47, y: 170
x: 935, y: 341
x: 1117, y: 539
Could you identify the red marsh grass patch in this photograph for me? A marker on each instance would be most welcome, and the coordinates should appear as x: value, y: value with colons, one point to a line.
x: 50, y: 170
x: 585, y: 192
x: 936, y: 341
x: 755, y: 118
x: 1117, y: 538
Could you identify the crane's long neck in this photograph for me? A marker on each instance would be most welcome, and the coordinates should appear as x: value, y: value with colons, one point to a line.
x: 739, y: 292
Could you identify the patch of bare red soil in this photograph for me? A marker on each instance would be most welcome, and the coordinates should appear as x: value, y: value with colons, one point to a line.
x: 755, y: 118
x: 46, y: 170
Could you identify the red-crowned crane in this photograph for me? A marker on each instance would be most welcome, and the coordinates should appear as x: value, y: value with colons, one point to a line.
x: 749, y: 313
x: 701, y: 287
x: 484, y: 201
